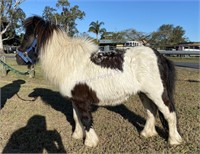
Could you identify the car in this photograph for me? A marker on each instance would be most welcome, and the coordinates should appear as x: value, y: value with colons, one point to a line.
x: 9, y: 49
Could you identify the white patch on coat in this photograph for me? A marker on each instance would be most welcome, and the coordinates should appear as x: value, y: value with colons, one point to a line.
x: 149, y: 128
x: 174, y: 136
x: 79, y: 131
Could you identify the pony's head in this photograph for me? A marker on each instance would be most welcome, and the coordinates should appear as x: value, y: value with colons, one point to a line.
x: 37, y: 33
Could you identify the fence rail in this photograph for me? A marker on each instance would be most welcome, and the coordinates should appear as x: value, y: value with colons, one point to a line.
x: 164, y: 52
x: 180, y: 52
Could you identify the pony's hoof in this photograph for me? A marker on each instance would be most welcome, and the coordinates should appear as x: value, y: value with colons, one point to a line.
x: 77, y: 135
x: 147, y: 134
x: 175, y: 141
x: 91, y: 139
x: 92, y: 143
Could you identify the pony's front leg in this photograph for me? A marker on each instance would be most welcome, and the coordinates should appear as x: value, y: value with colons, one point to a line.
x: 83, y: 119
x: 79, y: 132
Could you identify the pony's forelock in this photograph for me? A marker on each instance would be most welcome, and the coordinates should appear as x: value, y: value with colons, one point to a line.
x: 30, y: 21
x: 43, y: 30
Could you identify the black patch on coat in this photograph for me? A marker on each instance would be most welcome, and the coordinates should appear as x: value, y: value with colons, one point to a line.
x: 168, y: 75
x: 83, y: 97
x: 113, y: 60
x: 164, y: 122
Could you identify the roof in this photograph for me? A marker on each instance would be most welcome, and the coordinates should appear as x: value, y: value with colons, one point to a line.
x: 106, y: 41
x: 190, y: 44
x: 110, y: 42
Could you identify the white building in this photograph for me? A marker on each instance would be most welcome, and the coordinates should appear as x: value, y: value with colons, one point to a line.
x: 133, y: 44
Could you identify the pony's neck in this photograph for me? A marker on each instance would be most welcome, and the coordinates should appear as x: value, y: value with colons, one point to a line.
x: 55, y: 43
x: 65, y: 55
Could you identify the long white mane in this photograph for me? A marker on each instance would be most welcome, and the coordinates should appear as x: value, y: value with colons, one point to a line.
x: 65, y: 55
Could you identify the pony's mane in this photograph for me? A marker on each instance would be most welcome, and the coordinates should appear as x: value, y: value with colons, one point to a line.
x: 43, y: 30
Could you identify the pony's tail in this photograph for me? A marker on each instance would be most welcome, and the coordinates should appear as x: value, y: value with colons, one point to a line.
x: 170, y: 83
x: 168, y: 75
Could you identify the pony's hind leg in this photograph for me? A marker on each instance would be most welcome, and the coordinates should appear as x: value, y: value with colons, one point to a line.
x: 167, y: 108
x: 79, y: 132
x: 149, y: 128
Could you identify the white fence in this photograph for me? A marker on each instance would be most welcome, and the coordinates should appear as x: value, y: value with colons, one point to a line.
x: 181, y: 52
x: 164, y: 52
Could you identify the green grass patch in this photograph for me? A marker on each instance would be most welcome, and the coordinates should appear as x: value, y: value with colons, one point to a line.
x: 185, y: 59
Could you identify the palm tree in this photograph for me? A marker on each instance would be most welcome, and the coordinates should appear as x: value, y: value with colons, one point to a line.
x: 95, y: 27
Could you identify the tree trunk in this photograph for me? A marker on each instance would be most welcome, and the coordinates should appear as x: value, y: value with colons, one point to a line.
x: 1, y: 44
x: 97, y: 37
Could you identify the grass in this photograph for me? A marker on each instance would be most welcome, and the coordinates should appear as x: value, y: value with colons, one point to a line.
x: 185, y: 59
x: 35, y: 118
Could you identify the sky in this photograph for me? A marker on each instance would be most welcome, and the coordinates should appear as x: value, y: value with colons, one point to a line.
x: 142, y: 15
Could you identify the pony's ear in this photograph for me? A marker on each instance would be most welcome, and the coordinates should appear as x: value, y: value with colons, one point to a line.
x: 35, y: 20
x: 31, y: 21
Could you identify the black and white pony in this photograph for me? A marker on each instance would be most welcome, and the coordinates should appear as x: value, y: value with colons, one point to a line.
x: 87, y: 77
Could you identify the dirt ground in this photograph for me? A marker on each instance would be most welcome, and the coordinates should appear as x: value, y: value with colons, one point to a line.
x: 35, y: 118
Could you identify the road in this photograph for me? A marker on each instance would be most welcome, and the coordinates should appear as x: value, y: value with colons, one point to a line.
x: 188, y: 65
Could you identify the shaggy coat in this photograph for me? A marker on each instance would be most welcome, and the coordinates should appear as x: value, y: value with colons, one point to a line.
x: 86, y: 77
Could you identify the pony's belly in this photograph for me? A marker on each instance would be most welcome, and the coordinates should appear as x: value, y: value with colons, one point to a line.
x: 113, y: 101
x: 113, y: 93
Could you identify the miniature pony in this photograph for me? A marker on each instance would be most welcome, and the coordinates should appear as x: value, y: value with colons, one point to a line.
x: 88, y: 77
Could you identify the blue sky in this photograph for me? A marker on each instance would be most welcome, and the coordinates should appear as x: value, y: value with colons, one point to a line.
x: 142, y: 15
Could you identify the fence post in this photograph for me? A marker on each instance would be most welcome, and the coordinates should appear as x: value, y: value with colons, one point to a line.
x: 3, y: 68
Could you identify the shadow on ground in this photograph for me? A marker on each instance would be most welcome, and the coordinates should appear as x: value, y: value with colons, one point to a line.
x: 59, y: 103
x: 9, y: 90
x: 34, y: 138
x: 56, y: 101
x: 135, y: 119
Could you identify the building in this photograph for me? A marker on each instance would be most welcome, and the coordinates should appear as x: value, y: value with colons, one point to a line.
x: 190, y: 46
x: 109, y: 45
x: 133, y: 43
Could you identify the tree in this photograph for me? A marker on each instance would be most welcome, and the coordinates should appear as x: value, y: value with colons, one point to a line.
x: 49, y: 13
x: 11, y: 17
x: 95, y: 27
x: 115, y: 36
x: 132, y: 34
x: 167, y: 35
x: 67, y: 18
x: 178, y: 35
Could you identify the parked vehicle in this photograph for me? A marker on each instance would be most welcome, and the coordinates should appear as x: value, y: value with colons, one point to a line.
x: 9, y: 49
